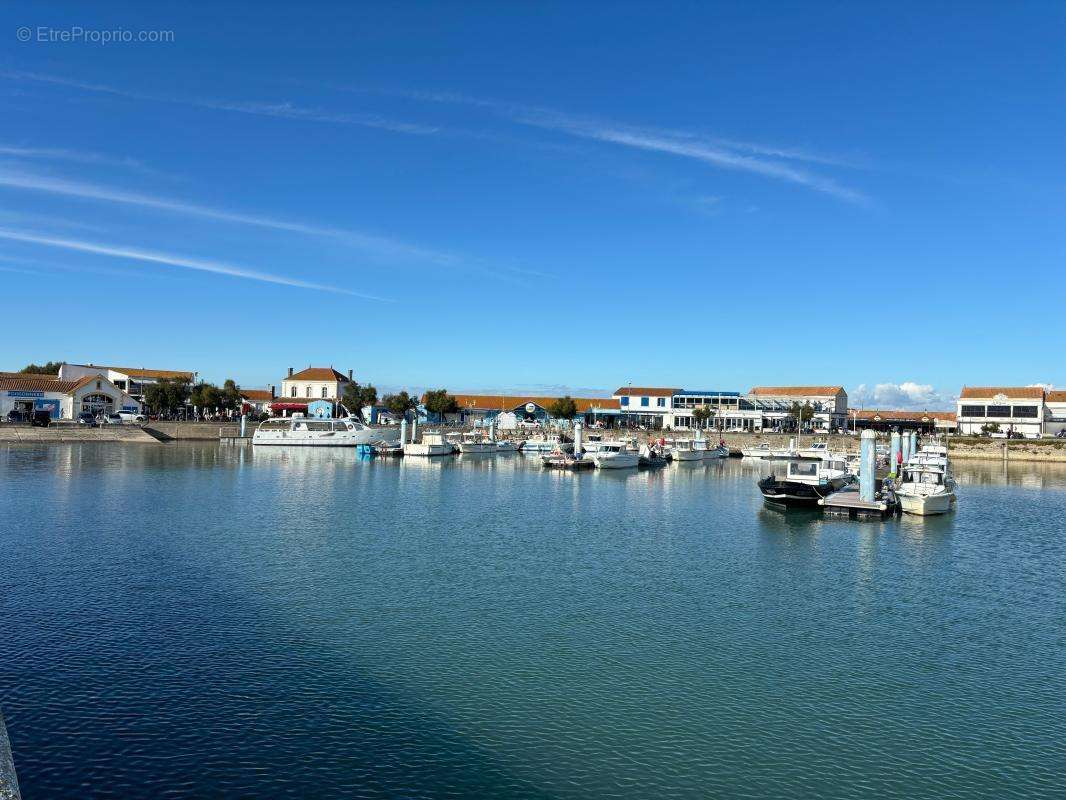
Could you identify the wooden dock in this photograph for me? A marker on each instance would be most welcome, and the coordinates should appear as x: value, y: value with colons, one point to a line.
x: 847, y: 503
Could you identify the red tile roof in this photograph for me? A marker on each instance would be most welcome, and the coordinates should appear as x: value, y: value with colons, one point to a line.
x: 1011, y: 392
x: 257, y: 395
x: 495, y: 402
x: 796, y: 391
x: 1056, y: 396
x: 650, y: 391
x: 37, y: 383
x: 318, y: 374
x: 886, y: 414
x: 142, y: 372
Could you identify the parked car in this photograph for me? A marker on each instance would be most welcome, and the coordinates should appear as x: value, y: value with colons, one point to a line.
x: 41, y: 418
x: 123, y: 417
x: 85, y: 418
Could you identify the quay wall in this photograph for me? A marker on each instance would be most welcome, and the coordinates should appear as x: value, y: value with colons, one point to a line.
x: 55, y: 434
x: 196, y: 430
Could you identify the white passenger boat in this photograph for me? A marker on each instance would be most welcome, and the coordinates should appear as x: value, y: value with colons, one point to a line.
x: 615, y: 455
x: 927, y: 486
x: 312, y: 432
x: 432, y: 444
x: 685, y: 450
x: 475, y: 444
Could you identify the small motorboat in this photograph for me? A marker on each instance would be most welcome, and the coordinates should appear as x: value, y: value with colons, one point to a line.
x: 805, y: 483
x: 927, y: 486
x: 476, y: 444
x: 708, y: 452
x: 506, y: 446
x: 757, y: 451
x: 544, y: 443
x: 818, y: 450
x: 685, y: 450
x: 432, y: 444
x: 615, y: 455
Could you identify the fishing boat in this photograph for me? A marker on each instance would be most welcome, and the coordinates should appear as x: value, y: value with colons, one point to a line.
x: 685, y: 450
x: 310, y: 432
x: 927, y: 485
x: 475, y: 444
x: 431, y: 444
x: 805, y: 483
x: 615, y: 455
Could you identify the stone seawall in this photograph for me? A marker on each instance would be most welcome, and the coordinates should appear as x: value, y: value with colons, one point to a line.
x: 197, y: 430
x: 54, y: 434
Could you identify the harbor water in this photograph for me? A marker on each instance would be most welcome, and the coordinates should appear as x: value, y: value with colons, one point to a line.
x: 205, y: 621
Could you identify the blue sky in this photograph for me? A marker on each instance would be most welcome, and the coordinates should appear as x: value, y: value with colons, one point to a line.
x: 543, y: 195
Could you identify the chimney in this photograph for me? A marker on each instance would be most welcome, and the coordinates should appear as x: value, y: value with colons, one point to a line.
x: 290, y: 372
x: 349, y: 376
x: 273, y: 391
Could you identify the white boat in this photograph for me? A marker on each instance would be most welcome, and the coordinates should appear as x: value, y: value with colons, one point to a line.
x: 805, y: 483
x: 475, y: 444
x: 311, y: 432
x: 432, y: 444
x: 685, y: 450
x: 785, y: 453
x: 615, y: 455
x: 758, y: 451
x: 545, y: 444
x: 927, y: 485
x: 707, y: 452
x: 818, y: 450
x: 506, y: 446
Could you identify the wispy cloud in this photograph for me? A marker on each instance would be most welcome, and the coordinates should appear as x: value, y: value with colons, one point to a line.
x: 75, y: 157
x: 89, y: 191
x: 183, y: 262
x: 285, y: 110
x: 765, y: 160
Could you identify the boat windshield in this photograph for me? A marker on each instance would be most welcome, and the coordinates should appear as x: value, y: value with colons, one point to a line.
x: 275, y: 425
x: 797, y: 469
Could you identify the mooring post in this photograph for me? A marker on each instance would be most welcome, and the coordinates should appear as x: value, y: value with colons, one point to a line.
x: 403, y: 431
x: 414, y: 427
x: 906, y: 448
x: 895, y: 453
x: 914, y: 443
x: 578, y: 428
x: 244, y: 425
x: 867, y: 465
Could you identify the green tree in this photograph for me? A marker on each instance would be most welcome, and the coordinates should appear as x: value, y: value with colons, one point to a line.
x: 51, y: 368
x: 400, y: 403
x: 802, y: 413
x: 990, y: 428
x: 206, y: 396
x: 356, y: 397
x: 438, y: 401
x: 562, y: 408
x: 231, y: 395
x: 166, y: 395
x: 701, y: 414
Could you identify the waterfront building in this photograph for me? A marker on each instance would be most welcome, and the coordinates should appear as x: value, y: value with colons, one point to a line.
x: 131, y: 380
x: 1054, y: 412
x: 650, y: 406
x: 511, y: 410
x: 314, y: 383
x: 62, y: 399
x: 887, y: 420
x: 258, y: 400
x: 1021, y: 409
x: 829, y: 403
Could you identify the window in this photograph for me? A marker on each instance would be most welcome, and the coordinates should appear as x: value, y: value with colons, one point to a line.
x: 292, y: 392
x: 644, y: 402
x: 624, y: 400
x: 324, y: 392
x: 661, y: 402
x: 998, y: 411
x: 973, y: 411
x: 98, y: 387
x: 308, y: 392
x: 1025, y: 411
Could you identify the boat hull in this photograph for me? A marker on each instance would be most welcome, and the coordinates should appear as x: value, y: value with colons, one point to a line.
x: 616, y: 460
x: 926, y: 505
x: 478, y: 448
x: 325, y: 438
x: 794, y: 494
x: 686, y: 455
x: 420, y: 449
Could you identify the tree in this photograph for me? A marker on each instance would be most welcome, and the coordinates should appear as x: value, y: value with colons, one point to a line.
x: 356, y: 397
x: 51, y: 368
x: 438, y: 401
x: 231, y: 395
x: 399, y: 404
x: 990, y: 428
x: 206, y: 395
x: 801, y: 413
x: 563, y: 408
x: 166, y: 395
x: 701, y: 414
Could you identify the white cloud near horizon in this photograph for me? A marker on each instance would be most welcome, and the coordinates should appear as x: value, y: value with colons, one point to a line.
x: 183, y: 262
x: 902, y: 396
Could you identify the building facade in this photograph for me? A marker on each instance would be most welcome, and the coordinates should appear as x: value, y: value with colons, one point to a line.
x: 1019, y: 409
x: 648, y: 406
x: 131, y: 380
x: 1054, y: 412
x: 314, y: 383
x: 828, y: 403
x: 511, y: 410
x: 62, y: 399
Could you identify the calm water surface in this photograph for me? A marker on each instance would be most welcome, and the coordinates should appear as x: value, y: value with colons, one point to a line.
x: 194, y: 621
